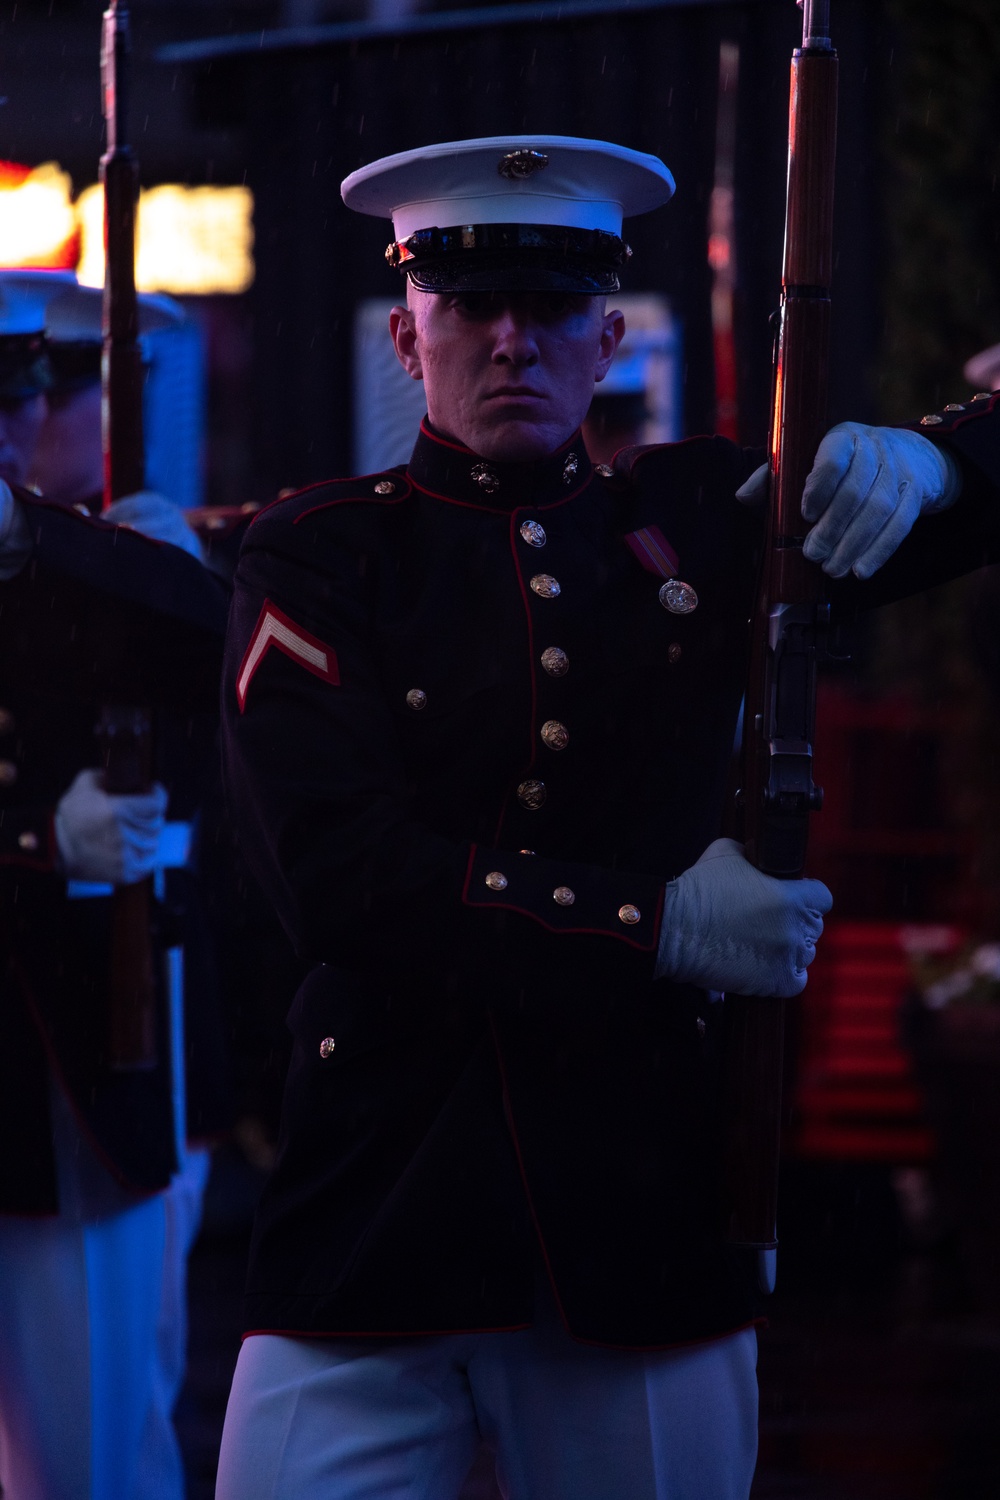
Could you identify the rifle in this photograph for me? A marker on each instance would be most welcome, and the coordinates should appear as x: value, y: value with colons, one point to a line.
x: 124, y: 731
x: 788, y: 631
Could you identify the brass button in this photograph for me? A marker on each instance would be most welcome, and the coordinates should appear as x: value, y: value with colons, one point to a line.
x: 533, y: 534
x: 326, y: 1047
x: 673, y: 652
x: 6, y: 721
x: 545, y: 586
x: 416, y: 698
x: 931, y: 421
x: 629, y: 913
x: 486, y: 478
x: 525, y: 851
x: 27, y: 841
x: 555, y: 661
x: 955, y: 406
x: 570, y: 468
x: 563, y: 896
x: 982, y: 396
x: 555, y: 735
x: 385, y: 487
x: 496, y: 881
x: 680, y: 598
x: 8, y: 773
x: 531, y: 794
x: 605, y: 471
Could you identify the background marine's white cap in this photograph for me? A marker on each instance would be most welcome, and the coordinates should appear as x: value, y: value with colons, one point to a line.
x: 25, y: 369
x: 25, y: 297
x: 509, y: 210
x: 74, y: 314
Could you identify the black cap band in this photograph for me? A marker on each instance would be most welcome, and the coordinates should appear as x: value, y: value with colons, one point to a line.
x: 511, y: 257
x: 25, y: 369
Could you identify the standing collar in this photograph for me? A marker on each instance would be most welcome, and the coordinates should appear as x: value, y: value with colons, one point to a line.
x: 452, y: 472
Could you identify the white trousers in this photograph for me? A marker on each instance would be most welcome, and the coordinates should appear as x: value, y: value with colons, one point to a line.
x: 92, y: 1348
x: 363, y: 1419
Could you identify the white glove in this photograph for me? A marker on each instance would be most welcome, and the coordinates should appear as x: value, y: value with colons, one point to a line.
x: 866, y: 488
x: 15, y: 538
x: 109, y: 837
x: 156, y: 516
x: 726, y: 926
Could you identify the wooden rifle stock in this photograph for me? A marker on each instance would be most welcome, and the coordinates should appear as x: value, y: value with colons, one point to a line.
x: 125, y: 730
x: 789, y: 628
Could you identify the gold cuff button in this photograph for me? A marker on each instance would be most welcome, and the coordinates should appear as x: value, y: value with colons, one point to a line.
x: 629, y: 914
x: 932, y: 421
x: 555, y: 661
x: 545, y: 586
x: 554, y: 734
x: 531, y: 794
x: 605, y: 471
x: 533, y: 533
x: 496, y: 880
x: 955, y: 406
x: 27, y: 841
x: 385, y: 487
x: 416, y: 698
x: 326, y: 1047
x: 563, y: 896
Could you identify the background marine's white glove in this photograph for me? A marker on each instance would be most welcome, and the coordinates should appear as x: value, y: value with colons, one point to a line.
x: 109, y: 837
x: 15, y: 538
x: 866, y: 488
x: 728, y: 927
x: 156, y: 516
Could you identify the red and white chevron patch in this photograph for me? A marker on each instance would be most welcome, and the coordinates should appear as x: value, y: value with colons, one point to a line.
x: 274, y: 628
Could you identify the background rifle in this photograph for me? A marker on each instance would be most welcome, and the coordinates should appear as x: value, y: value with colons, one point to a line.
x: 124, y: 731
x: 789, y: 628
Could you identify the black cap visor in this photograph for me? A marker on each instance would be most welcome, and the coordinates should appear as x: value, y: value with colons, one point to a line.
x: 511, y: 258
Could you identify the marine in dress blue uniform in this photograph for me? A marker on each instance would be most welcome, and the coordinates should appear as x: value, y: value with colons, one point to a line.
x: 98, y: 1194
x: 478, y: 714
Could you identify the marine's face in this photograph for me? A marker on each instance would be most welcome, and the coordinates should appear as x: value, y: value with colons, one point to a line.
x: 68, y: 464
x: 21, y: 421
x: 509, y: 374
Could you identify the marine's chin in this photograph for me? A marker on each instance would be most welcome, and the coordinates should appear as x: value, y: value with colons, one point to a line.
x: 520, y: 438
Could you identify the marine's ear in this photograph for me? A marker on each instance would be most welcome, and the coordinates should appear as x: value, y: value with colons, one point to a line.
x: 403, y: 332
x: 612, y: 333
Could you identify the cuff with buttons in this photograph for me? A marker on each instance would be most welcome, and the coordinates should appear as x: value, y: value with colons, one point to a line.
x: 566, y: 897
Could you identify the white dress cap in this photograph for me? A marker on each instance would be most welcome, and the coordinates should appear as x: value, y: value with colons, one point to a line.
x: 559, y: 180
x: 74, y: 315
x: 24, y: 299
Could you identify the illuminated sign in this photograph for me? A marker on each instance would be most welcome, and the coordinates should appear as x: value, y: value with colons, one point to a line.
x: 38, y: 223
x: 189, y: 241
